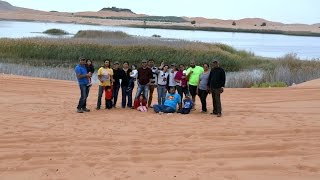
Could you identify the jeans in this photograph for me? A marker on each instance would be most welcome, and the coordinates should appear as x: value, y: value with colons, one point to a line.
x: 184, y: 111
x: 216, y: 100
x: 144, y: 89
x: 126, y: 93
x: 203, y: 98
x: 115, y: 93
x: 161, y: 94
x: 162, y: 108
x: 84, y: 93
x: 100, y: 93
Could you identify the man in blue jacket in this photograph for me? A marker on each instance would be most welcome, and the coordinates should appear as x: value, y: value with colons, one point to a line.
x: 83, y: 80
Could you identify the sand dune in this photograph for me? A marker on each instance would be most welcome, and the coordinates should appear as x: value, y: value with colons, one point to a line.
x: 264, y: 134
x: 10, y: 12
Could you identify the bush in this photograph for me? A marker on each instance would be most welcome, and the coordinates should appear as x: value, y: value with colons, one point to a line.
x: 156, y: 35
x: 268, y: 84
x: 264, y: 24
x: 101, y: 34
x: 55, y: 32
x: 193, y: 22
x: 234, y: 23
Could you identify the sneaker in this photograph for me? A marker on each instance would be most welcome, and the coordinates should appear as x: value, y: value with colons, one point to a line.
x: 86, y: 109
x: 97, y: 108
x: 214, y: 113
x: 219, y: 114
x: 161, y: 113
x: 79, y: 111
x: 204, y: 112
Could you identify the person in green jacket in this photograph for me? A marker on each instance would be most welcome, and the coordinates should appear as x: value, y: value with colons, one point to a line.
x: 193, y: 76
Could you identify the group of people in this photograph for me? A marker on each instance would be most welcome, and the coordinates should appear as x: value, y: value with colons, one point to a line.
x: 172, y: 84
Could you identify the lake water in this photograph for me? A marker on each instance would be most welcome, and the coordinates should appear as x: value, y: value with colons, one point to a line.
x: 268, y: 45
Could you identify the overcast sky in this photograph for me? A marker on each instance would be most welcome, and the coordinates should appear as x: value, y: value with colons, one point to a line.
x: 287, y: 11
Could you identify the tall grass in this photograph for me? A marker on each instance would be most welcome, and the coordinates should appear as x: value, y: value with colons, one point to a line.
x: 290, y: 69
x: 98, y: 46
x: 65, y: 52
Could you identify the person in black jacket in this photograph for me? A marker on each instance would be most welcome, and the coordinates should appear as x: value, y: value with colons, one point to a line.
x: 90, y: 69
x: 125, y: 85
x: 116, y: 84
x: 217, y: 80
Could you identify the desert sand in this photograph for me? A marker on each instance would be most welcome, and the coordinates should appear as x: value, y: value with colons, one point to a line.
x: 264, y: 134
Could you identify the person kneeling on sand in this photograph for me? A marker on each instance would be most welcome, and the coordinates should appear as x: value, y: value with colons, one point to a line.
x: 170, y: 103
x: 140, y: 104
x: 187, y: 105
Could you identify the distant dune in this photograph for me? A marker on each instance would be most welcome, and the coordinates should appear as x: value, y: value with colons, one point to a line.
x: 5, y: 6
x: 125, y: 17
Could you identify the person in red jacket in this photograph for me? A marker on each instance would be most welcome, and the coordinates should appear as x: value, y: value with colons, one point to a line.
x: 140, y: 104
x: 108, y: 96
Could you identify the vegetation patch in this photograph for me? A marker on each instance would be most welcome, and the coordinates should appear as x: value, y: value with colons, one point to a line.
x: 101, y: 34
x: 55, y: 32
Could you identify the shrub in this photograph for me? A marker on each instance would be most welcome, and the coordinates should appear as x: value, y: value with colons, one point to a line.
x: 268, y: 84
x: 193, y: 22
x: 234, y: 23
x: 55, y: 32
x: 264, y: 24
x: 156, y: 35
x: 101, y: 34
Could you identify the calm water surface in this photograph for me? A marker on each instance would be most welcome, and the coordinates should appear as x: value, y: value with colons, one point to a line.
x: 268, y: 45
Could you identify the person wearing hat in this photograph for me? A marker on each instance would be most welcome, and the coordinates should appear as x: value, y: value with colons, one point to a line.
x: 216, y: 82
x: 117, y: 72
x: 82, y: 76
x: 105, y: 77
x: 144, y: 79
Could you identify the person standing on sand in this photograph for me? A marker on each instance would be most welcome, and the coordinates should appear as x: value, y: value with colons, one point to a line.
x: 182, y: 83
x: 83, y: 80
x: 162, y: 84
x: 125, y: 83
x: 116, y: 83
x: 193, y: 77
x: 144, y: 79
x: 216, y: 82
x: 172, y: 74
x: 105, y: 76
x: 203, y: 87
x: 154, y: 80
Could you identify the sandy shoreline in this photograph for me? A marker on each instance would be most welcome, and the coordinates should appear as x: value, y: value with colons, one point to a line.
x: 264, y: 134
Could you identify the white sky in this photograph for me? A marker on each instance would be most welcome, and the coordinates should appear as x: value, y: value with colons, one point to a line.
x: 287, y: 11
